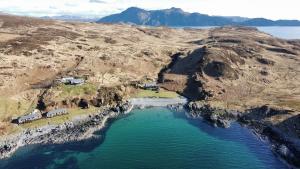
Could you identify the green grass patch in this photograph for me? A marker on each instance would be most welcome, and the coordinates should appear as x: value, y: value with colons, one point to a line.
x: 59, y: 119
x: 150, y: 93
x: 77, y: 90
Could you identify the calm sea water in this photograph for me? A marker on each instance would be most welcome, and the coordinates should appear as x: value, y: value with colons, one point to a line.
x: 284, y: 32
x: 154, y: 138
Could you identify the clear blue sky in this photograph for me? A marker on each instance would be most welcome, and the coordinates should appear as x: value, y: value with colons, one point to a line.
x: 272, y: 9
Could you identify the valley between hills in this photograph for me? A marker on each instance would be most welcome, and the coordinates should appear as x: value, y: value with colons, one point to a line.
x: 226, y: 73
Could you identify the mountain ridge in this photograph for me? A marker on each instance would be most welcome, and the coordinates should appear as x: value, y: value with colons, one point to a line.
x: 178, y: 17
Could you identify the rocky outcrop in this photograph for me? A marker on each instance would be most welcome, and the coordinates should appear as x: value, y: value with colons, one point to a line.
x: 286, y: 147
x: 109, y: 96
x: 284, y: 143
x: 218, y: 117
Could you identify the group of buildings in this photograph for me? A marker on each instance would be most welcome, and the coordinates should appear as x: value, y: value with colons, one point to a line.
x: 37, y: 114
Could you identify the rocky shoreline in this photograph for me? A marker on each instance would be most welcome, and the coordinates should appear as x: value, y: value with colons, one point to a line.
x: 81, y: 128
x: 218, y: 117
x: 76, y: 130
x: 285, y: 147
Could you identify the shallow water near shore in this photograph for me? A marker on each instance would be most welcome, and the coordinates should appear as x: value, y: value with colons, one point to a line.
x: 153, y: 138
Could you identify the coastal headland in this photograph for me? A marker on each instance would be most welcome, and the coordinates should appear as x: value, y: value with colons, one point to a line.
x: 225, y: 74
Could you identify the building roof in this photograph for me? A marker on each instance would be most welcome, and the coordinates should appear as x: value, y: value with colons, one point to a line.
x: 29, y: 116
x: 56, y: 111
x: 66, y: 79
x: 76, y: 81
x: 154, y: 84
x: 72, y: 80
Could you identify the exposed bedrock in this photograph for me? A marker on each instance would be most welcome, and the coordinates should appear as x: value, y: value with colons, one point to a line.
x: 105, y: 96
x: 283, y: 135
x: 218, y: 117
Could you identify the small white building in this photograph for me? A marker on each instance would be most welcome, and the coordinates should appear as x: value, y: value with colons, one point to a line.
x: 72, y: 81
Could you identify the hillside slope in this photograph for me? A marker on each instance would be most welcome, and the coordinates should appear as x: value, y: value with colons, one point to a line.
x: 34, y: 52
x: 236, y: 66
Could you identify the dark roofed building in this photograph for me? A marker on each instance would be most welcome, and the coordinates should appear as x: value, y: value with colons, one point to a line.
x: 76, y: 81
x: 66, y: 79
x: 151, y: 86
x: 35, y: 115
x: 56, y: 112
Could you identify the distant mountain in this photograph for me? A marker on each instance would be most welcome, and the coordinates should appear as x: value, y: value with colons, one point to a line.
x: 71, y: 18
x: 237, y: 19
x: 168, y: 17
x: 178, y: 17
x: 267, y: 22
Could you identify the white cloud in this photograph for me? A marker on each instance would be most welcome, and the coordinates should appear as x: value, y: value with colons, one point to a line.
x: 273, y: 9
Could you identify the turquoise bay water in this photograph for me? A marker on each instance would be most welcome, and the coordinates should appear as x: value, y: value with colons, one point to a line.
x: 154, y: 138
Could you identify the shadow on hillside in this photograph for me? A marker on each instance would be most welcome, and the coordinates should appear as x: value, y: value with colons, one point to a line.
x: 188, y: 66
